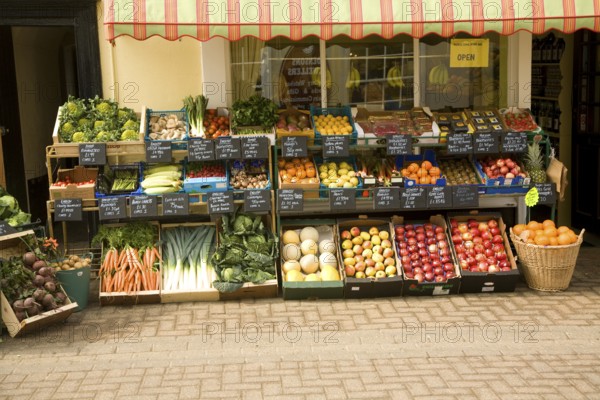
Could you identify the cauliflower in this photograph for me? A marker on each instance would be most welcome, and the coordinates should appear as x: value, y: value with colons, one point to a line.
x: 84, y: 123
x: 102, y: 136
x: 78, y: 137
x: 131, y: 124
x: 19, y: 219
x: 124, y: 114
x: 68, y: 127
x: 73, y: 108
x: 98, y: 124
x: 104, y: 108
x: 130, y: 134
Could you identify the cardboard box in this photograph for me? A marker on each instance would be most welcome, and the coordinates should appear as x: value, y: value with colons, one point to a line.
x: 355, y: 288
x: 125, y: 298
x: 124, y: 148
x: 311, y: 190
x: 309, y: 133
x: 185, y: 295
x: 313, y: 290
x: 72, y: 191
x: 260, y: 132
x: 250, y: 290
x: 12, y: 245
x: 481, y: 282
x: 412, y: 287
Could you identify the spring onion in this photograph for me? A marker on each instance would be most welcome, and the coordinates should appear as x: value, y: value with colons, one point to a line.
x: 195, y: 108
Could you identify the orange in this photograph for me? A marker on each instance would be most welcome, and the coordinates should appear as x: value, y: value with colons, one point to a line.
x: 533, y: 225
x: 426, y: 165
x: 434, y: 171
x: 281, y: 163
x: 541, y: 240
x: 573, y: 236
x: 413, y: 167
x: 530, y: 241
x: 564, y: 239
x: 563, y: 229
x: 532, y: 233
x: 550, y: 232
x: 425, y: 180
x: 517, y: 229
x: 548, y: 224
x: 553, y: 241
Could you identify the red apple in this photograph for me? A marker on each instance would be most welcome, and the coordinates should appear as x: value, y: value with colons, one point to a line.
x: 466, y: 236
x: 409, y: 275
x: 406, y: 267
x: 448, y: 267
x: 399, y: 230
x: 482, y: 266
x: 497, y: 239
x: 456, y: 239
x: 445, y: 259
x: 440, y: 279
x: 419, y: 277
x: 430, y: 234
x: 450, y: 275
x: 494, y: 231
x: 429, y: 276
x: 500, y: 256
x: 431, y: 241
x: 439, y: 229
x: 418, y: 270
x: 420, y: 237
x: 438, y: 271
x: 410, y: 234
x: 474, y: 232
x: 488, y: 244
x: 483, y: 227
x: 432, y: 248
x: 493, y: 269
x: 453, y: 223
x: 477, y: 240
x: 462, y: 227
x: 427, y: 268
x: 492, y: 223
x: 479, y: 248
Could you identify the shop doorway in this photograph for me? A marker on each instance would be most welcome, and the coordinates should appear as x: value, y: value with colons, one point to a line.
x: 47, y: 52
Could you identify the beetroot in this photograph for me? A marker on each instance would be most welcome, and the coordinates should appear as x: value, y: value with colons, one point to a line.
x: 39, y: 280
x: 60, y: 296
x: 50, y: 286
x: 45, y: 271
x: 39, y: 294
x: 39, y: 264
x: 29, y: 259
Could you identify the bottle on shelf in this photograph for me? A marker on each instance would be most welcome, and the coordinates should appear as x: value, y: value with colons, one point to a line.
x: 534, y: 111
x: 560, y: 45
x: 548, y: 42
x: 556, y: 119
x: 535, y: 50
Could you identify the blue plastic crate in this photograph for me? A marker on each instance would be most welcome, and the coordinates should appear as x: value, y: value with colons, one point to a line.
x: 179, y: 144
x: 146, y: 165
x: 501, y: 185
x: 323, y: 189
x: 137, y: 191
x: 205, y: 185
x: 336, y: 112
x: 239, y: 195
x: 428, y: 155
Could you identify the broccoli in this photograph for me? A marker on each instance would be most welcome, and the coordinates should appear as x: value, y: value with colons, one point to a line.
x: 21, y: 218
x: 84, y: 123
x: 103, y: 108
x: 98, y: 124
x: 131, y: 124
x: 73, y: 108
x: 103, y: 136
x: 68, y: 127
x: 78, y: 137
x: 124, y: 114
x: 129, y: 134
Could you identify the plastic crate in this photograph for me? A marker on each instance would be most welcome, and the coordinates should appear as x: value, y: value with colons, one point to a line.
x: 177, y: 144
x: 323, y: 189
x: 120, y: 193
x: 206, y: 184
x: 336, y: 112
x: 146, y: 165
x: 428, y: 155
x: 501, y: 185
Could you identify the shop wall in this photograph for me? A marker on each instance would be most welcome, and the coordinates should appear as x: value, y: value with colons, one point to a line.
x: 36, y: 52
x: 155, y: 72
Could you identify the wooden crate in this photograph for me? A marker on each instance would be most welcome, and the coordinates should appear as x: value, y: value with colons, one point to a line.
x: 180, y: 296
x: 72, y: 191
x: 112, y: 148
x: 12, y: 245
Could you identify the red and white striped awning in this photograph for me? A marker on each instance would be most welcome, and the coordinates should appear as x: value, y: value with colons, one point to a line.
x: 296, y: 19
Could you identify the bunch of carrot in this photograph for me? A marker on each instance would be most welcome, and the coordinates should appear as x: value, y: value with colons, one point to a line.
x: 130, y: 270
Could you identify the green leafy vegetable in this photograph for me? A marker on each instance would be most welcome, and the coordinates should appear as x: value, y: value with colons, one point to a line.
x: 255, y: 111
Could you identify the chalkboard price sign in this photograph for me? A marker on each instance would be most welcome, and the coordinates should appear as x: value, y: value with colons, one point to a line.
x: 220, y: 202
x: 546, y: 193
x: 399, y: 145
x: 336, y: 146
x: 486, y: 143
x: 413, y: 198
x: 459, y: 143
x: 176, y: 204
x: 439, y: 197
x: 112, y: 208
x: 144, y: 207
x: 6, y: 229
x: 465, y: 196
x: 158, y: 152
x: 514, y: 142
x: 201, y: 149
x: 294, y: 146
x: 255, y: 147
x: 257, y: 200
x: 92, y: 153
x: 68, y: 210
x: 290, y: 200
x: 387, y: 198
x: 342, y: 199
x: 228, y: 148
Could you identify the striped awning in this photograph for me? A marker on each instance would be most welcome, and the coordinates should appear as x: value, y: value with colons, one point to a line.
x: 296, y: 19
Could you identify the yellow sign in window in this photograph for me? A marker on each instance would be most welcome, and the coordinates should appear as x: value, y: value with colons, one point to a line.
x: 469, y: 53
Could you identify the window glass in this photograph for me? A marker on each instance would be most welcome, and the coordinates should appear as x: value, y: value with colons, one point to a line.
x: 373, y: 72
x: 449, y: 82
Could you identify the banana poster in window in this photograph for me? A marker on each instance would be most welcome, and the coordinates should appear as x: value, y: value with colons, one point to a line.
x: 300, y: 77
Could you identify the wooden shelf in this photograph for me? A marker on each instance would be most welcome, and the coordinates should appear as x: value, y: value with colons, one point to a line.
x: 544, y: 98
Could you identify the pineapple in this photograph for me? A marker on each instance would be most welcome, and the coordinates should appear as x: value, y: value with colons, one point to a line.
x: 534, y: 163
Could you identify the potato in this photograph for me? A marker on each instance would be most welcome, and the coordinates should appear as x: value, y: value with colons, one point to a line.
x: 65, y: 267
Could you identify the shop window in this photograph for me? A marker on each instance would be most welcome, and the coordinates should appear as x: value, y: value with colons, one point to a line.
x: 459, y: 74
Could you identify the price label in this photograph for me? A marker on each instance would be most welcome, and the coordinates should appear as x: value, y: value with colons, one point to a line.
x: 486, y: 143
x: 112, y: 208
x: 294, y: 146
x: 465, y: 196
x: 257, y: 200
x: 158, y: 152
x: 514, y: 142
x: 144, y: 206
x: 220, y: 202
x: 546, y: 193
x: 386, y: 198
x: 439, y: 197
x: 175, y: 204
x: 228, y: 148
x: 201, y: 149
x: 459, y: 143
x: 413, y: 198
x: 68, y: 210
x: 342, y: 199
x: 255, y: 147
x: 336, y: 146
x: 399, y: 145
x: 6, y: 229
x: 92, y: 153
x: 291, y: 200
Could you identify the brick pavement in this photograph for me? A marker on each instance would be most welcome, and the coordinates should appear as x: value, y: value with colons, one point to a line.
x: 522, y: 345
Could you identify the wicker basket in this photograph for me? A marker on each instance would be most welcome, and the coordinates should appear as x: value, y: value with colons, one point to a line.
x: 547, y: 268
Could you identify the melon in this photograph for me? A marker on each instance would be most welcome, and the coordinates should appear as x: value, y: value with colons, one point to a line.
x: 291, y: 237
x: 327, y: 259
x: 309, y: 233
x: 294, y: 276
x: 326, y: 246
x: 329, y: 273
x: 309, y: 247
x: 309, y: 264
x: 291, y: 252
x: 291, y: 265
x: 312, y: 278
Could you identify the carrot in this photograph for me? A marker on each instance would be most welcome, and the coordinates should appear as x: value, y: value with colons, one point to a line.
x: 122, y: 258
